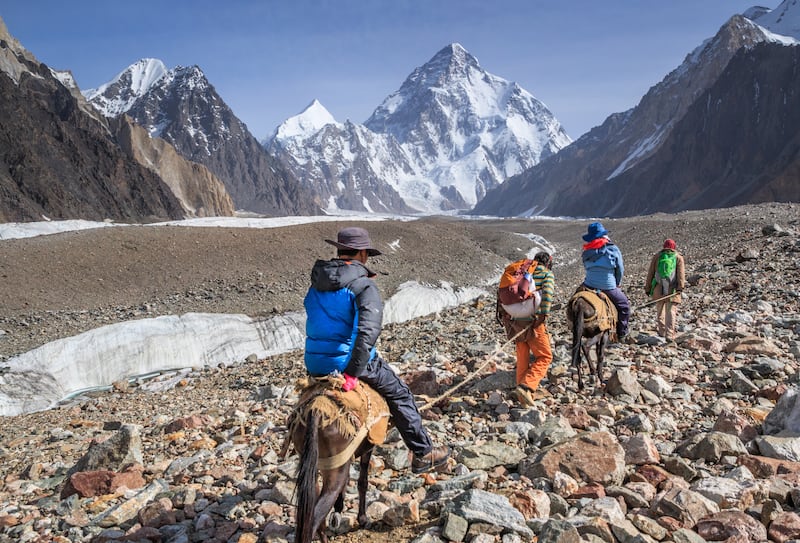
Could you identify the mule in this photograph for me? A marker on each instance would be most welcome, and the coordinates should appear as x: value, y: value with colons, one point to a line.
x: 588, y: 332
x: 314, y: 442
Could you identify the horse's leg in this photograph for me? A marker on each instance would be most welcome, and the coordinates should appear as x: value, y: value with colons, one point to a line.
x: 577, y: 339
x: 587, y: 352
x: 333, y: 486
x: 601, y: 353
x: 363, y: 477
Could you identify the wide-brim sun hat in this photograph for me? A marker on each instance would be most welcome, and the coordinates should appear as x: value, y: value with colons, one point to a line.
x: 596, y: 230
x: 354, y: 238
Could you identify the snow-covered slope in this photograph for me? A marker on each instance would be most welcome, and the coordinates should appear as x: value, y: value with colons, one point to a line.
x: 118, y: 95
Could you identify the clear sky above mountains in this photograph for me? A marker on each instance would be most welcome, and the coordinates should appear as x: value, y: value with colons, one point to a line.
x: 585, y: 59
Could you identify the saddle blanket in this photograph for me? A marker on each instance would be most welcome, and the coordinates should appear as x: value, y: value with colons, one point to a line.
x: 348, y: 410
x: 605, y: 314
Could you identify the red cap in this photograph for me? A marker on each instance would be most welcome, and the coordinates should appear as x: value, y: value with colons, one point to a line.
x: 669, y: 244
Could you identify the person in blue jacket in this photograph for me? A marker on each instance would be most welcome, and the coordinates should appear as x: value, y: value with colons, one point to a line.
x: 344, y: 314
x: 605, y: 269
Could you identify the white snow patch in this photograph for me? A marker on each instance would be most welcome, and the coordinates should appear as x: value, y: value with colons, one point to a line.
x: 413, y: 300
x: 40, y: 378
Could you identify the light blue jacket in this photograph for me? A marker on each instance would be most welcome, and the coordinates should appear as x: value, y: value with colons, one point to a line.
x: 604, y: 267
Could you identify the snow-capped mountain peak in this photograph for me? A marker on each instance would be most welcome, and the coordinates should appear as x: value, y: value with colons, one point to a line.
x: 118, y: 95
x: 451, y: 132
x: 303, y: 125
x: 783, y: 20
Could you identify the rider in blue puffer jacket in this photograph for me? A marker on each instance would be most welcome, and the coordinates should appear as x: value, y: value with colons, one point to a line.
x: 344, y: 315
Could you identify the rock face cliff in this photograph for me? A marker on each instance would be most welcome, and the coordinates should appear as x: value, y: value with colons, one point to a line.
x: 199, y: 191
x: 57, y: 156
x: 719, y: 130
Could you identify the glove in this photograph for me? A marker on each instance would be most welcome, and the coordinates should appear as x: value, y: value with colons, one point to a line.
x: 350, y: 382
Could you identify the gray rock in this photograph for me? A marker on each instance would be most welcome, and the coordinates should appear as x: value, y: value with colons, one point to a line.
x: 711, y: 446
x: 785, y: 417
x: 500, y: 380
x: 122, y: 448
x: 490, y: 455
x: 784, y: 448
x: 481, y: 506
x: 454, y: 527
x: 685, y: 505
x: 554, y: 430
x: 622, y: 381
x: 460, y: 482
x: 558, y: 531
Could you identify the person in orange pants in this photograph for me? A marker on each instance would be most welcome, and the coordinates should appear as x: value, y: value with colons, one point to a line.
x: 535, y: 340
x: 532, y: 369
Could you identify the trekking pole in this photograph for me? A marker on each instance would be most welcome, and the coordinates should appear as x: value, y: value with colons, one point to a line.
x: 651, y: 302
x: 476, y: 372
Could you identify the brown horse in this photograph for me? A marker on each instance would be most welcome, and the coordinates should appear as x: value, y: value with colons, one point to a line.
x: 589, y: 329
x: 326, y: 448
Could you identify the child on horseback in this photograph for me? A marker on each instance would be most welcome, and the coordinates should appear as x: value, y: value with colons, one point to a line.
x: 605, y: 269
x: 344, y: 319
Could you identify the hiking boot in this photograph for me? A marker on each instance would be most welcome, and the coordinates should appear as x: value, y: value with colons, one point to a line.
x: 435, y: 458
x: 524, y: 395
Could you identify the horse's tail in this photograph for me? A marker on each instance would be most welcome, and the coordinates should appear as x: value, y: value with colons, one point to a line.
x: 307, y: 481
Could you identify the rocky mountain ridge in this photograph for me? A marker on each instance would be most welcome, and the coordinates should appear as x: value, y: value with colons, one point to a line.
x: 181, y: 107
x: 65, y: 160
x: 648, y: 158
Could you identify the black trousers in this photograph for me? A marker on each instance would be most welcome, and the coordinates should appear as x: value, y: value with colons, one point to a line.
x: 404, y: 411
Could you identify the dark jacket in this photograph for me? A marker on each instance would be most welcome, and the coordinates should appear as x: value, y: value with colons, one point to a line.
x: 344, y: 313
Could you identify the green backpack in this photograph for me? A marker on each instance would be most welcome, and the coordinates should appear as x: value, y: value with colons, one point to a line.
x: 665, y: 272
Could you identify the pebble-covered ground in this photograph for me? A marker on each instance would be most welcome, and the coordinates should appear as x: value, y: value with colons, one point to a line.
x: 683, y: 442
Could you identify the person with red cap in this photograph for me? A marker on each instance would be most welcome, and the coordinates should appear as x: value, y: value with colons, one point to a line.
x: 666, y: 279
x: 344, y: 316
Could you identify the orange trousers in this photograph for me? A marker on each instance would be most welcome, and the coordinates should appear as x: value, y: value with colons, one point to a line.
x: 530, y: 373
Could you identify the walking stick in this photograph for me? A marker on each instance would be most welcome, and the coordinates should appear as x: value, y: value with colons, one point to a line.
x: 651, y: 302
x: 475, y: 373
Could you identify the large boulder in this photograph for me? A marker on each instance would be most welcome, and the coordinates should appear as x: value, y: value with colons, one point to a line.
x: 594, y: 457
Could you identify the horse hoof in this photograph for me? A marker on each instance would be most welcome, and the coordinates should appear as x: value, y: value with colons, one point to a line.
x: 335, y: 521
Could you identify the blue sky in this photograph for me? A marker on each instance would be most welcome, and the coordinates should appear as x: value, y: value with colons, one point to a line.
x: 585, y: 59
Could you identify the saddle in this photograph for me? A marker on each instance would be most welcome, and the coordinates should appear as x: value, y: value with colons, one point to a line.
x: 605, y: 313
x: 361, y: 410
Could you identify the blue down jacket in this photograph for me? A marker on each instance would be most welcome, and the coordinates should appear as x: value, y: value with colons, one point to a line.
x: 344, y: 313
x: 604, y: 267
